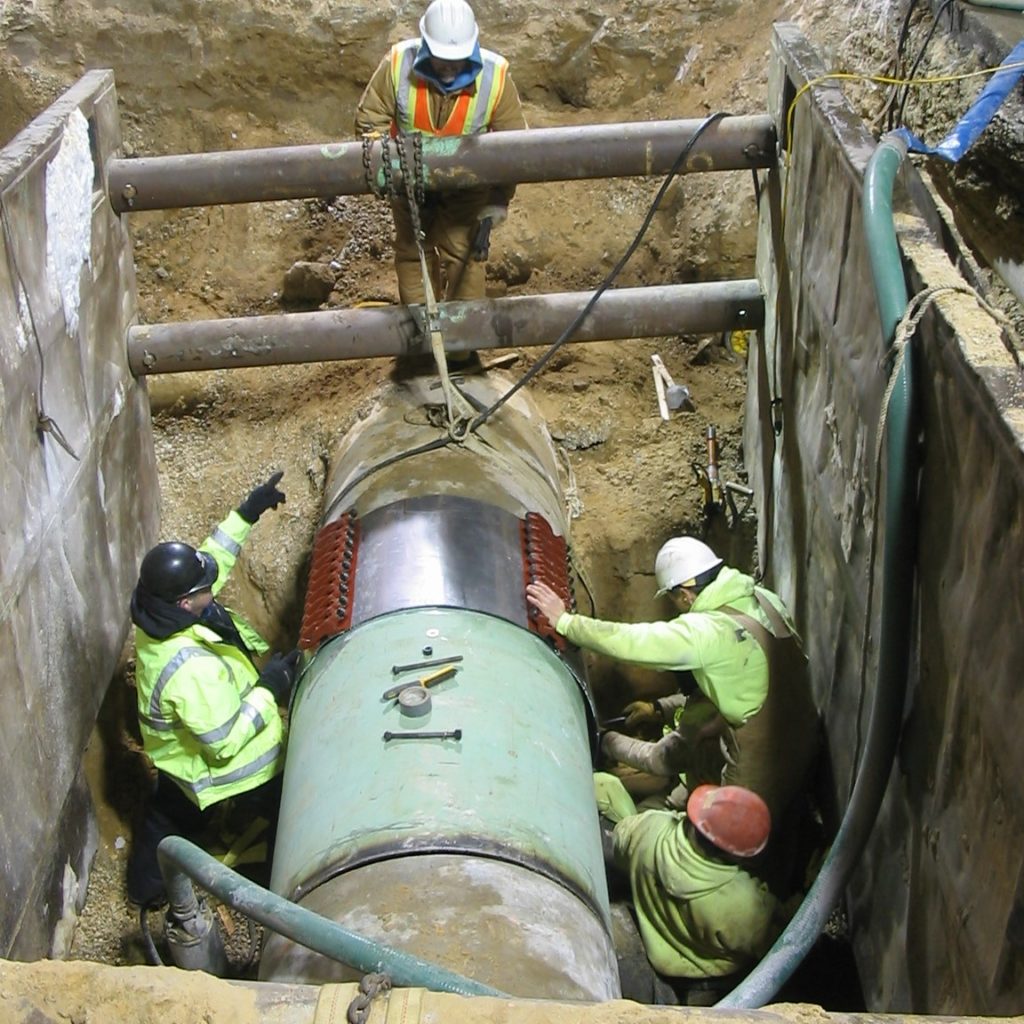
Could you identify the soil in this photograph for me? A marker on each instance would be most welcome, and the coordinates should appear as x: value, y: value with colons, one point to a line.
x: 275, y: 74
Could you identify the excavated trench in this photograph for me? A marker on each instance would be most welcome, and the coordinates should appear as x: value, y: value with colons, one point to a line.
x: 631, y: 479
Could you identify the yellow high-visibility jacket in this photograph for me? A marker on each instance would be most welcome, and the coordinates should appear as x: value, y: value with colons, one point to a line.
x: 204, y: 720
x: 772, y: 734
x: 698, y: 917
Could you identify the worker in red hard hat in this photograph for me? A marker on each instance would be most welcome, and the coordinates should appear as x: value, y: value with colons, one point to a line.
x: 443, y: 83
x: 701, y: 910
x: 754, y: 722
x: 208, y: 712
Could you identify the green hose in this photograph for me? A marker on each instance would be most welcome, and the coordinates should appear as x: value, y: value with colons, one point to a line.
x: 898, y: 556
x: 1003, y: 5
x: 182, y: 863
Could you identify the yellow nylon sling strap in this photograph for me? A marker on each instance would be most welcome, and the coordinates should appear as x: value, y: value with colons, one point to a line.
x: 398, y: 1006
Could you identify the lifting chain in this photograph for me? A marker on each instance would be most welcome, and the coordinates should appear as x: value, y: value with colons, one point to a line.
x: 370, y: 985
x: 412, y: 183
x: 387, y: 189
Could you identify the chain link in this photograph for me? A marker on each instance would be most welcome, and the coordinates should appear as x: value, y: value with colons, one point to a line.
x: 409, y: 184
x: 371, y: 181
x: 385, y: 166
x: 386, y: 190
x: 417, y: 168
x: 370, y: 985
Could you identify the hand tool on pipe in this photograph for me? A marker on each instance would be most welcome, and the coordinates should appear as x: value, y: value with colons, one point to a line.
x: 428, y: 680
x: 453, y: 734
x: 399, y: 669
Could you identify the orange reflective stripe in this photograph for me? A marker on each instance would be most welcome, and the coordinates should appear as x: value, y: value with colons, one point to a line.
x: 473, y: 107
x: 456, y: 123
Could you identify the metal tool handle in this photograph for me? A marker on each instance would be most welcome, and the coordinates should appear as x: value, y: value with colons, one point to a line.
x: 429, y: 680
x: 482, y: 242
x: 453, y: 734
x: 399, y: 669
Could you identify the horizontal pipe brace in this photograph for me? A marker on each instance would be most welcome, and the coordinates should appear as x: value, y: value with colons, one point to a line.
x: 494, y: 158
x: 522, y: 321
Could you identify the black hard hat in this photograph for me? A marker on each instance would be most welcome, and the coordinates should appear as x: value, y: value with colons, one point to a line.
x: 174, y: 570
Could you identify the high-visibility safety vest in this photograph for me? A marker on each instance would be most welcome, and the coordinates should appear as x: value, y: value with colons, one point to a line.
x: 473, y: 108
x: 204, y: 720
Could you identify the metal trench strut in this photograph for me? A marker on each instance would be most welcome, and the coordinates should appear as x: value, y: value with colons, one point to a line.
x: 639, y: 149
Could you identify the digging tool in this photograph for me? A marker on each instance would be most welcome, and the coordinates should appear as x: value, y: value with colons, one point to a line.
x: 671, y: 396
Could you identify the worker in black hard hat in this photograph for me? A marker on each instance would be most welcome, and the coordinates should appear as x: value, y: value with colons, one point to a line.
x: 208, y: 712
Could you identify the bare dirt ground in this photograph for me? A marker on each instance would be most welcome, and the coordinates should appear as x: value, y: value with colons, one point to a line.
x: 270, y: 74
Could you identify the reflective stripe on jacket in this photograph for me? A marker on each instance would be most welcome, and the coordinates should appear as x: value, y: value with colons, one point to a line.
x: 727, y: 662
x: 203, y: 719
x: 474, y: 106
x: 725, y: 640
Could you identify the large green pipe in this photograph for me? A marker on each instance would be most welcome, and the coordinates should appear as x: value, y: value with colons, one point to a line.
x: 462, y: 829
x: 898, y: 557
x: 183, y: 862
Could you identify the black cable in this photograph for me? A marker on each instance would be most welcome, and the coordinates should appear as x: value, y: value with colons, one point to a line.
x: 901, y: 41
x: 539, y: 365
x: 614, y: 273
x: 152, y: 956
x: 439, y: 442
x: 920, y: 57
x: 586, y: 586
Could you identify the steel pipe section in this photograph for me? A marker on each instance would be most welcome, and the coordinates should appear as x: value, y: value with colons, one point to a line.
x: 522, y: 321
x: 475, y: 846
x: 538, y: 154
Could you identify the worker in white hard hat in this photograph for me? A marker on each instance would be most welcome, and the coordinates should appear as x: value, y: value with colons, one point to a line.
x: 443, y: 83
x: 703, y: 911
x: 739, y: 642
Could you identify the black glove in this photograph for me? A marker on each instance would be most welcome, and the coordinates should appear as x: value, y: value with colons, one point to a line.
x: 263, y: 497
x: 278, y: 675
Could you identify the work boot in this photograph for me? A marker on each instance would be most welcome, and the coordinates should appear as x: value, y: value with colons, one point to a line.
x: 464, y: 363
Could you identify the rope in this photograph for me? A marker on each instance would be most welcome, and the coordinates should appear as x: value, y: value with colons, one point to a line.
x: 905, y: 329
x: 573, y: 501
x: 459, y: 411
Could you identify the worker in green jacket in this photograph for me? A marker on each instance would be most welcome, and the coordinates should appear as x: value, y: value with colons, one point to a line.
x: 207, y: 712
x: 701, y: 910
x: 758, y: 727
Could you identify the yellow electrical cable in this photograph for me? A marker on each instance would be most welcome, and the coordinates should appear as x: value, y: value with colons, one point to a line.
x: 862, y: 77
x: 885, y: 80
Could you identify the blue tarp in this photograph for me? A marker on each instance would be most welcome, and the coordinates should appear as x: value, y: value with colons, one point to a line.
x: 977, y: 118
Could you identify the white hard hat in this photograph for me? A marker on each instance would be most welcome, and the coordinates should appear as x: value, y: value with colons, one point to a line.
x: 449, y: 29
x: 680, y: 561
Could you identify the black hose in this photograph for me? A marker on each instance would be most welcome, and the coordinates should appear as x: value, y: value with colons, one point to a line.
x: 611, y: 276
x: 152, y: 956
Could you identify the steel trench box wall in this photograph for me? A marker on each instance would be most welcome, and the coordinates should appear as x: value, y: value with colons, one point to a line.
x: 937, y: 901
x: 73, y: 529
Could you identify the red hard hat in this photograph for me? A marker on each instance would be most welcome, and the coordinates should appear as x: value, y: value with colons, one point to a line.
x: 732, y: 818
